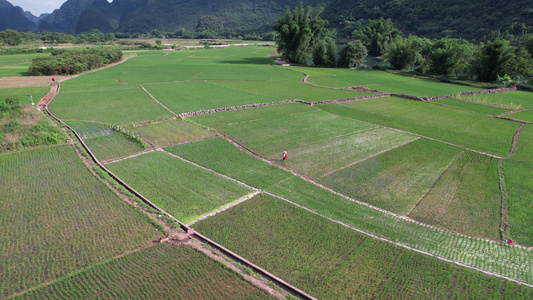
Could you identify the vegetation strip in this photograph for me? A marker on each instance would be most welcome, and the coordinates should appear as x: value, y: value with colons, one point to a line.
x: 247, y: 197
x: 400, y: 244
x: 187, y: 229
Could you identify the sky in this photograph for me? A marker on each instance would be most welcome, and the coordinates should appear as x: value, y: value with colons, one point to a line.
x: 38, y: 7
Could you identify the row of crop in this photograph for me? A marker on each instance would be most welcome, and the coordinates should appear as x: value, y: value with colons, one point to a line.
x: 59, y: 218
x: 478, y: 253
x: 325, y: 258
x: 161, y: 272
x: 215, y: 110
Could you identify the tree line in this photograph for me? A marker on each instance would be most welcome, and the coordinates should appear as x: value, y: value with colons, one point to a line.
x: 304, y: 39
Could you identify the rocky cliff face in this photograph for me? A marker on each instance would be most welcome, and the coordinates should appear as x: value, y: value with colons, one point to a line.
x: 12, y: 17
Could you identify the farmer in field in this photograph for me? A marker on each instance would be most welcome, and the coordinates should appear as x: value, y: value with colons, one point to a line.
x: 284, y: 155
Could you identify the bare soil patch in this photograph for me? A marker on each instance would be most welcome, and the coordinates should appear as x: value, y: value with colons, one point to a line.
x: 29, y: 81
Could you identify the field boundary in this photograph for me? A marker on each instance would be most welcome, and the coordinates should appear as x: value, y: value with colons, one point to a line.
x: 151, y: 96
x: 504, y: 209
x: 400, y: 244
x: 280, y: 282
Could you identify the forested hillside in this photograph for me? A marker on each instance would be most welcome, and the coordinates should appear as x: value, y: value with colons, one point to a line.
x: 435, y: 19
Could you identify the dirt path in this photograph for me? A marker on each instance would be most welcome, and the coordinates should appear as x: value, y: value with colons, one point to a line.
x: 515, y: 140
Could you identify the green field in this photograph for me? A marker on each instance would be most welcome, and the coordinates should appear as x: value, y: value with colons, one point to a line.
x: 332, y: 155
x: 484, y: 109
x: 117, y: 106
x: 170, y: 132
x: 381, y: 81
x: 113, y: 145
x: 17, y: 65
x: 57, y: 218
x: 523, y: 115
x: 182, y: 189
x: 395, y: 180
x: 513, y: 262
x: 334, y: 262
x: 158, y: 272
x: 221, y: 156
x: 279, y: 127
x: 22, y: 94
x: 523, y: 99
x: 518, y: 171
x: 466, y: 199
x: 461, y: 127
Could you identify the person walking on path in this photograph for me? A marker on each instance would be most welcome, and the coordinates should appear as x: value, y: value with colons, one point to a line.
x: 284, y: 155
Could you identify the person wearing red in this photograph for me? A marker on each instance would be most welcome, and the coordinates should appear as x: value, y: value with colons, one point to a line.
x: 284, y: 155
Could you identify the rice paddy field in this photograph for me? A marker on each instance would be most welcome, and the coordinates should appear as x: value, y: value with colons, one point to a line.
x: 158, y: 272
x: 17, y: 65
x: 331, y: 261
x: 519, y: 98
x: 384, y: 198
x: 456, y: 126
x: 180, y: 188
x: 50, y: 229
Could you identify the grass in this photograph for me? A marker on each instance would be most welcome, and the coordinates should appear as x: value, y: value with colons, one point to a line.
x: 518, y: 172
x: 422, y: 88
x: 477, y: 107
x: 167, y: 133
x: 466, y: 199
x: 158, y: 272
x: 523, y: 115
x: 113, y: 145
x: 17, y: 65
x: 275, y: 128
x: 183, y: 190
x: 397, y: 179
x: 324, y: 258
x: 328, y: 156
x: 460, y: 127
x: 221, y: 156
x: 518, y: 99
x: 57, y: 218
x: 513, y: 262
x: 22, y: 93
x: 113, y: 106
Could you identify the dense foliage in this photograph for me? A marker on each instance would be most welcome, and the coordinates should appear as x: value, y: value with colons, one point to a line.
x: 68, y: 62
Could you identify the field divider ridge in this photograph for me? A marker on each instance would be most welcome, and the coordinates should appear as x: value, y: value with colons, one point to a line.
x: 280, y: 282
x: 400, y: 244
x: 157, y: 100
x: 235, y: 203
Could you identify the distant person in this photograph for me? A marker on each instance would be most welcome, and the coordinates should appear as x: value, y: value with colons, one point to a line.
x: 509, y: 241
x: 284, y: 155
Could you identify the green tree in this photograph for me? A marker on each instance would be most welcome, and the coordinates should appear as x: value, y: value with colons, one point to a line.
x: 210, y: 24
x: 377, y: 35
x: 325, y: 54
x: 529, y: 45
x: 11, y: 37
x: 402, y: 53
x: 490, y: 60
x: 519, y: 64
x: 450, y: 56
x: 352, y: 54
x: 299, y: 33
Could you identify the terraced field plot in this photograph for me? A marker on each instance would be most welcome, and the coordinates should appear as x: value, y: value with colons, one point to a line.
x: 116, y: 106
x: 523, y: 99
x: 275, y: 128
x: 456, y: 126
x: 223, y: 157
x: 332, y: 261
x: 523, y: 115
x: 170, y: 132
x: 422, y: 88
x: 329, y: 156
x: 57, y: 218
x: 158, y: 272
x: 113, y: 145
x: 465, y: 199
x: 183, y: 190
x: 397, y: 179
x: 518, y: 172
x: 485, y: 109
x: 22, y: 93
